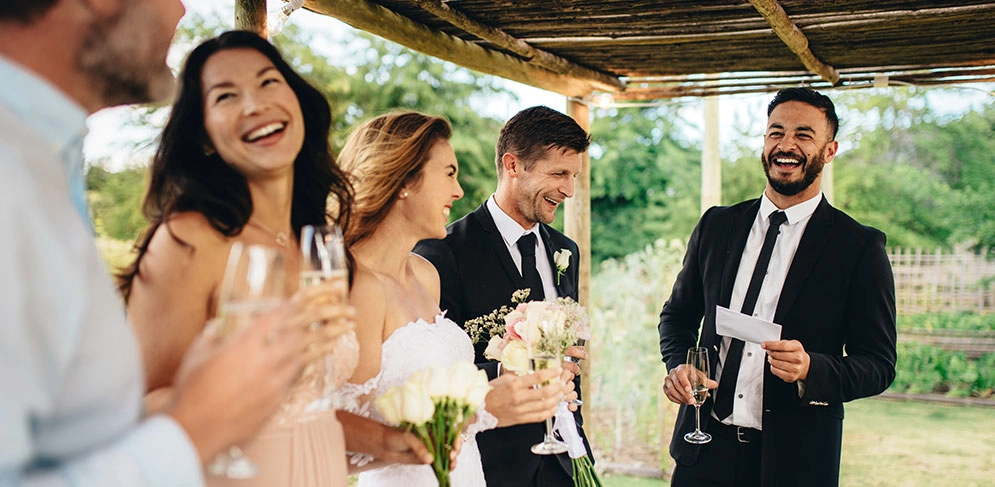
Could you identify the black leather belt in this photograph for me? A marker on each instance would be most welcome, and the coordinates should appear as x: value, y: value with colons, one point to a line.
x: 741, y: 434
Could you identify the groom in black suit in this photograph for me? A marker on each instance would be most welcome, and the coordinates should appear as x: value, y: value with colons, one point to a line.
x: 776, y: 416
x: 480, y: 263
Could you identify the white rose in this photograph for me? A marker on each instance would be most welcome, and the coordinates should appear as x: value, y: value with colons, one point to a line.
x: 493, y: 350
x: 515, y: 357
x: 562, y: 259
x: 416, y: 406
x: 462, y: 376
x: 389, y: 405
x: 478, y: 391
x: 435, y: 380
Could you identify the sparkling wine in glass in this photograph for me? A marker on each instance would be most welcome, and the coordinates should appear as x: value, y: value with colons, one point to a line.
x: 698, y: 373
x: 550, y: 445
x: 253, y: 285
x: 323, y: 258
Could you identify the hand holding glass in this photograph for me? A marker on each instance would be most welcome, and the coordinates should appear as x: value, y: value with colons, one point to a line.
x: 253, y: 285
x: 698, y: 373
x: 323, y: 259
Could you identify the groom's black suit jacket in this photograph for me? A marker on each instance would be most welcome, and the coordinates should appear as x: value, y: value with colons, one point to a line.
x: 839, y: 293
x: 479, y: 276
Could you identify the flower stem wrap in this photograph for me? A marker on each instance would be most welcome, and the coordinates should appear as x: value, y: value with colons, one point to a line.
x: 566, y: 427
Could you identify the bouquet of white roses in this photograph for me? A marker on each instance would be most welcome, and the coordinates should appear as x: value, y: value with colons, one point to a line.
x: 436, y: 404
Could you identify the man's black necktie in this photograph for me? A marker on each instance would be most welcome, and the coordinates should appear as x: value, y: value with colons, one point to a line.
x: 730, y: 367
x: 527, y: 246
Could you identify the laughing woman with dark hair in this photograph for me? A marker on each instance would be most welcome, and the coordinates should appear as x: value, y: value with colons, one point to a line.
x: 244, y: 157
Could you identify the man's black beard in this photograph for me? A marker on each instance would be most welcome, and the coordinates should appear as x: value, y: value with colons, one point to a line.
x: 791, y: 188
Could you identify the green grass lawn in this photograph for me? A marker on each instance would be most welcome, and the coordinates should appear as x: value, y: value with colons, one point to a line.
x: 904, y: 444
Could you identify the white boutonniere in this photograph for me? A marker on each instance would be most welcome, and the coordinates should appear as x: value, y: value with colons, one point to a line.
x: 562, y: 260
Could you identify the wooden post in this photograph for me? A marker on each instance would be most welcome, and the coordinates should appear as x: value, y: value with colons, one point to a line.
x: 711, y: 164
x: 577, y: 225
x: 251, y: 15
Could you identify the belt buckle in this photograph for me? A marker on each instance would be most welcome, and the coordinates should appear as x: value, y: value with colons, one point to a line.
x: 740, y: 435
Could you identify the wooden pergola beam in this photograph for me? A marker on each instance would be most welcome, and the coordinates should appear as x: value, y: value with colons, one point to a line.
x: 251, y: 15
x: 792, y: 36
x: 503, y: 40
x: 574, y: 80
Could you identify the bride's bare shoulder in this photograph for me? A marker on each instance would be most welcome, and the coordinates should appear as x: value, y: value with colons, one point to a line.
x: 424, y: 271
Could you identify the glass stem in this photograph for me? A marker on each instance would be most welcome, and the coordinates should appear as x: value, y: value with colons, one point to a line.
x: 549, y: 430
x: 697, y: 418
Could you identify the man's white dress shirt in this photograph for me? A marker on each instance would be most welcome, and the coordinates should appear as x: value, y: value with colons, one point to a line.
x: 511, y: 231
x: 71, y: 378
x: 747, y: 406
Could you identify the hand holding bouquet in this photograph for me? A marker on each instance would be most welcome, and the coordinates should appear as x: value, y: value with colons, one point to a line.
x: 436, y: 404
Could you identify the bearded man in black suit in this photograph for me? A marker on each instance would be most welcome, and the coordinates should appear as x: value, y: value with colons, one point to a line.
x: 776, y: 418
x: 539, y: 153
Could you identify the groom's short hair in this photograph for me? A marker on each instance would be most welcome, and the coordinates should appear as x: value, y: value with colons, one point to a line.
x: 533, y: 131
x: 24, y: 11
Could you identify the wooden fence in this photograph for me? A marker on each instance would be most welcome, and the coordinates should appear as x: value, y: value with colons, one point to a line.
x: 942, y: 282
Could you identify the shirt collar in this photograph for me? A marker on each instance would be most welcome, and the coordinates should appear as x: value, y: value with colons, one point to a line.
x: 510, y: 230
x: 794, y: 213
x: 45, y: 109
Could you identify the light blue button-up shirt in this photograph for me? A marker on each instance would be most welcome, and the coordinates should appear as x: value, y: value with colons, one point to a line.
x: 71, y: 379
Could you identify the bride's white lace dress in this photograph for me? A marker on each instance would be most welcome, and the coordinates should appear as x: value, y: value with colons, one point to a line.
x: 413, y: 347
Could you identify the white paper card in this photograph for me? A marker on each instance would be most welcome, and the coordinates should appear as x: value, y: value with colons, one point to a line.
x: 745, y: 327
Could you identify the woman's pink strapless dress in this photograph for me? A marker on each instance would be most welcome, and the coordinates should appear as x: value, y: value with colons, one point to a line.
x: 303, y: 445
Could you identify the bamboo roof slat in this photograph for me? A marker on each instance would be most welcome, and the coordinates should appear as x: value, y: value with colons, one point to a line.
x: 578, y: 47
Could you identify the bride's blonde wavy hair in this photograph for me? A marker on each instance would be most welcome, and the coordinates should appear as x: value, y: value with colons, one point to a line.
x: 383, y: 156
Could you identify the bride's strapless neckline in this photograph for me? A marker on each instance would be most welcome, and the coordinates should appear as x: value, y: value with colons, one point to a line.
x: 417, y: 345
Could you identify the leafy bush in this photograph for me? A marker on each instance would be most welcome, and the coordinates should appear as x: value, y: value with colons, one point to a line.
x: 627, y: 371
x: 926, y: 369
x: 965, y: 320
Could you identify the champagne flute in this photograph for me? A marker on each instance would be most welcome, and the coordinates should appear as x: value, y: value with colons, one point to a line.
x: 540, y: 359
x: 698, y: 373
x: 253, y: 284
x: 323, y: 258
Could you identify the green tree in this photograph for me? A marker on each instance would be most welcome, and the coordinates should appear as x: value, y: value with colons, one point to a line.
x: 645, y: 180
x: 115, y: 200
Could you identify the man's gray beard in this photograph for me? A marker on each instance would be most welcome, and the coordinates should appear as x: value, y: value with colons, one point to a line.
x: 115, y: 57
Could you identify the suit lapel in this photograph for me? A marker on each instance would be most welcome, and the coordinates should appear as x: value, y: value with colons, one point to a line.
x: 497, y: 242
x: 739, y: 232
x: 563, y: 288
x: 810, y: 247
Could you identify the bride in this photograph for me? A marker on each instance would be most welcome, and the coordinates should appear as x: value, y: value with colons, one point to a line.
x: 403, y: 171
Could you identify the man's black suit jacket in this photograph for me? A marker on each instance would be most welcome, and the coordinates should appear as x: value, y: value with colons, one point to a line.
x: 478, y: 276
x: 839, y: 294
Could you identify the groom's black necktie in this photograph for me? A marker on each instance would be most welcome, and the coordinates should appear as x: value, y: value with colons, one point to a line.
x: 527, y: 246
x: 730, y: 367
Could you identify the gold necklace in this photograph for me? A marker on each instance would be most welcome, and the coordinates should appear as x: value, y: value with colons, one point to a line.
x: 281, y: 237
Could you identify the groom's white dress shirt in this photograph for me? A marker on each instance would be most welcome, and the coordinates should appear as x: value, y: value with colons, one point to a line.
x: 510, y: 232
x: 71, y: 378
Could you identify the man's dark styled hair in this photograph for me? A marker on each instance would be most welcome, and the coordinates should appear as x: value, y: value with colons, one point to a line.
x: 186, y: 177
x: 24, y: 11
x: 810, y: 97
x: 533, y: 131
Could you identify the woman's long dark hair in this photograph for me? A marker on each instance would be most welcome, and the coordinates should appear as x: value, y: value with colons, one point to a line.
x: 184, y: 178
